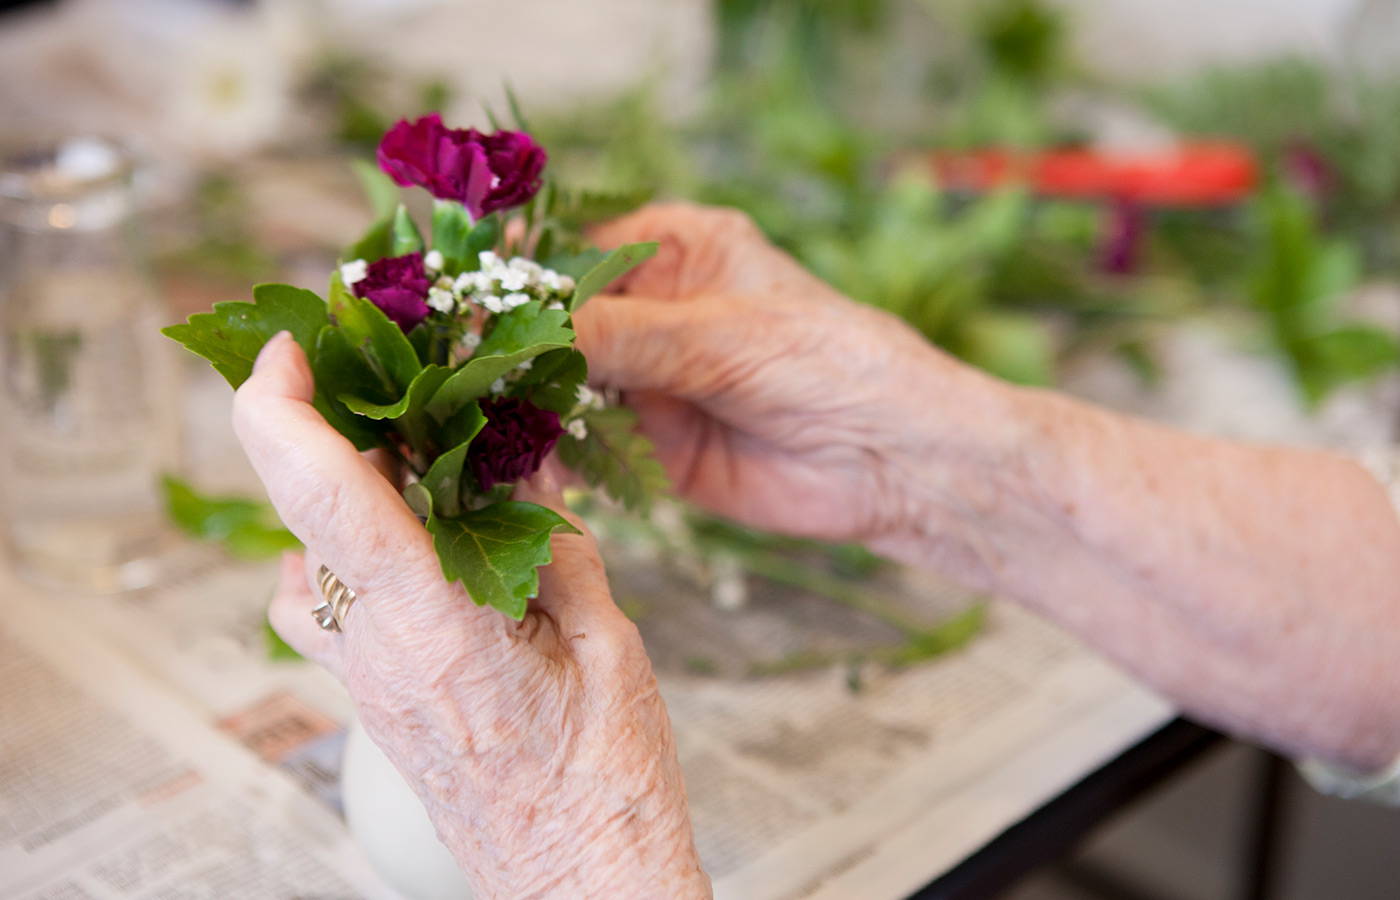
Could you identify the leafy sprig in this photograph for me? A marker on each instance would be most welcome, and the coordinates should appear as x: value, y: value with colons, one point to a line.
x: 499, y: 329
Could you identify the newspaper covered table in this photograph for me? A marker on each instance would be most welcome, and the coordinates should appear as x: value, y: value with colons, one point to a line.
x: 800, y: 786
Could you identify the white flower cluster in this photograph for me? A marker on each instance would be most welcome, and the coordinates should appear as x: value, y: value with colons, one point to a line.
x: 498, y: 286
x: 587, y: 399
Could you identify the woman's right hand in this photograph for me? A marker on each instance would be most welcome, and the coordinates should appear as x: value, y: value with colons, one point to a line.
x: 772, y: 398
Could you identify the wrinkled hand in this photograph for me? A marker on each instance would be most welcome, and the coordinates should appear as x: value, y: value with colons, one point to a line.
x: 541, y: 749
x: 772, y: 398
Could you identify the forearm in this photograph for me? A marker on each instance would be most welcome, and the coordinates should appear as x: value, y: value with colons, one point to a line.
x: 1259, y: 588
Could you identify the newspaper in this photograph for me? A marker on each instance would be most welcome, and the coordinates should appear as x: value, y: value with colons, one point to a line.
x: 800, y: 786
x: 112, y: 789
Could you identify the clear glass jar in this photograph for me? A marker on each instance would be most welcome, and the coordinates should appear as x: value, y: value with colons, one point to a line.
x: 88, y: 404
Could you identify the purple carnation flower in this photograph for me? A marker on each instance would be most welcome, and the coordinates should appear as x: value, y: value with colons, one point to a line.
x: 398, y: 286
x: 514, y: 442
x: 483, y: 172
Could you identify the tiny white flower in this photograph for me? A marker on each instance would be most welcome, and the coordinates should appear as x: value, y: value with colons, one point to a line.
x: 514, y: 280
x: 488, y: 260
x: 433, y: 261
x: 354, y: 272
x: 468, y: 282
x: 554, y: 305
x: 585, y: 395
x: 498, y: 386
x: 578, y: 429
x: 528, y: 266
x: 471, y: 340
x: 491, y: 302
x: 566, y: 284
x: 550, y: 279
x: 441, y: 300
x: 526, y: 366
x: 445, y: 282
x: 512, y: 301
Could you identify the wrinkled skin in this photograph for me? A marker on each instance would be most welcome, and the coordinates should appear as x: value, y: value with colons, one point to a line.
x: 541, y: 749
x: 777, y: 401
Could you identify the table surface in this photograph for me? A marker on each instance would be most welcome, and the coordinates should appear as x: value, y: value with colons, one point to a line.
x: 1052, y: 832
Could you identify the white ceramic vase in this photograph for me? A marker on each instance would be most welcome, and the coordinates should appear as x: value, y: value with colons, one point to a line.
x: 391, y: 826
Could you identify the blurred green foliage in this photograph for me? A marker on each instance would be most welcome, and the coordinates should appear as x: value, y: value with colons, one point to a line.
x: 817, y: 112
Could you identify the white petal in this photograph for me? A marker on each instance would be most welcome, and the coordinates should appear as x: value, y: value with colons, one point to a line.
x: 433, y: 261
x: 354, y: 272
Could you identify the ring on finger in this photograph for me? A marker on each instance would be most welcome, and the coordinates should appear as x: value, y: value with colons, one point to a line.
x: 336, y: 601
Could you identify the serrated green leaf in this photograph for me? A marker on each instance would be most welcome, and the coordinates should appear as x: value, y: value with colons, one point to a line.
x: 617, y: 264
x: 615, y: 457
x: 374, y: 334
x: 232, y: 334
x: 377, y: 242
x: 246, y: 528
x: 521, y: 334
x: 494, y: 551
x: 381, y: 191
x: 404, y: 236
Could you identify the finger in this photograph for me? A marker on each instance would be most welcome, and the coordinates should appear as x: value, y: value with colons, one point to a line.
x: 332, y: 498
x: 290, y: 616
x: 637, y: 343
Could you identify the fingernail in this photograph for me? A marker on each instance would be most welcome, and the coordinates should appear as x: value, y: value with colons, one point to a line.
x: 274, y: 342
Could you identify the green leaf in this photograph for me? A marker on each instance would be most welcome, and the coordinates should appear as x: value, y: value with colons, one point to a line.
x: 376, y: 336
x: 404, y: 235
x: 515, y: 113
x: 617, y: 458
x: 246, y: 528
x: 617, y: 263
x: 554, y: 379
x: 414, y: 399
x: 483, y: 237
x: 574, y: 209
x: 381, y: 191
x: 452, y: 228
x: 337, y: 363
x: 494, y: 551
x: 231, y: 336
x: 444, y: 477
x: 377, y: 242
x: 576, y: 265
x: 945, y: 637
x: 521, y: 334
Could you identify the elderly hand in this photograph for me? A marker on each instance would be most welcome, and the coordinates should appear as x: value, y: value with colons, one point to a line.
x: 541, y: 748
x: 776, y: 401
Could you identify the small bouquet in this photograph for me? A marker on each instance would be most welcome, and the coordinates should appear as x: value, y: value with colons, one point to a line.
x: 457, y: 355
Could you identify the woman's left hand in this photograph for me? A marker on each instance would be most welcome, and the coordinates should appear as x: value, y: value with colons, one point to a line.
x: 541, y: 748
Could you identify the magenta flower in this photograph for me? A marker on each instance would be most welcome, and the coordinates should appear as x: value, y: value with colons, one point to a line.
x: 483, y: 172
x: 514, y: 442
x: 398, y: 286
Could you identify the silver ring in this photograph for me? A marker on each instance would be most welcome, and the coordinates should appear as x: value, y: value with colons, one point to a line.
x: 336, y: 602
